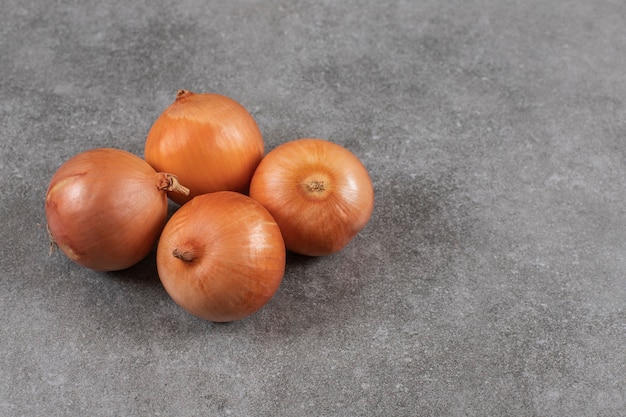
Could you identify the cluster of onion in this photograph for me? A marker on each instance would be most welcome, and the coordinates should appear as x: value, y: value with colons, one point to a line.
x: 222, y: 254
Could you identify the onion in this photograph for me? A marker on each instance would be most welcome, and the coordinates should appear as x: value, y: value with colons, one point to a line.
x: 319, y: 193
x: 209, y: 141
x: 221, y: 256
x: 106, y: 207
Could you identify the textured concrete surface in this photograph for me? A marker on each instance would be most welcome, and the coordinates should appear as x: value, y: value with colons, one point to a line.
x: 490, y: 281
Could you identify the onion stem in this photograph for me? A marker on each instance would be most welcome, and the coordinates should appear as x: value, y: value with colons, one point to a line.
x: 169, y: 182
x: 186, y: 256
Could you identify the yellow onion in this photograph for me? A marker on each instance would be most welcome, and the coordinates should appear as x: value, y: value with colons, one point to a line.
x: 106, y: 207
x: 221, y: 256
x: 209, y: 141
x: 319, y: 193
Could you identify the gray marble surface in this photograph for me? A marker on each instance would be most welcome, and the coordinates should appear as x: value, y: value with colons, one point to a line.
x: 490, y: 280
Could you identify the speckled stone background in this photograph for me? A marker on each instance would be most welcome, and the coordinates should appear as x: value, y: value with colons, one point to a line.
x: 490, y: 281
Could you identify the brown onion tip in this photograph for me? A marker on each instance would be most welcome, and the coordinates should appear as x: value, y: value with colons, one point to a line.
x: 186, y: 256
x: 182, y: 93
x: 169, y: 182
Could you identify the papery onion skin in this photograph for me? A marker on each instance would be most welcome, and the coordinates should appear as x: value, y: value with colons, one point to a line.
x: 209, y: 141
x: 221, y: 256
x: 319, y: 193
x: 106, y: 207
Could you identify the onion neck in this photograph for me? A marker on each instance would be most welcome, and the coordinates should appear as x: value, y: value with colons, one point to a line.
x: 184, y: 255
x: 182, y: 93
x: 169, y: 182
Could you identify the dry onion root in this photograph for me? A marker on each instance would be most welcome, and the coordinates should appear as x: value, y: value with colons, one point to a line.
x: 105, y: 208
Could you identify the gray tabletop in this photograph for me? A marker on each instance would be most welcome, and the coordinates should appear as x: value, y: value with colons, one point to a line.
x: 490, y: 280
